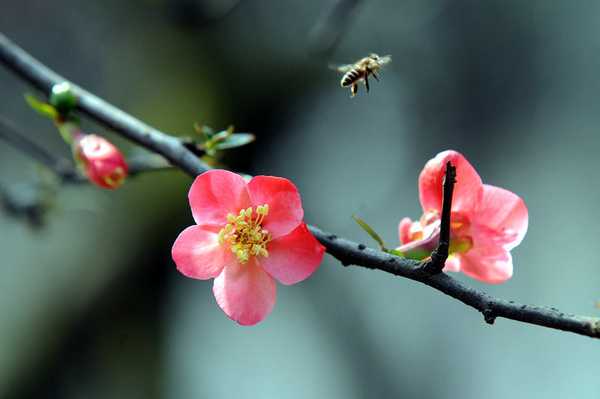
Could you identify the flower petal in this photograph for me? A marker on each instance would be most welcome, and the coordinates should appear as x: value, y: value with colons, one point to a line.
x: 197, y: 253
x: 285, y: 207
x: 293, y: 257
x: 421, y: 248
x: 452, y: 264
x: 467, y: 190
x: 404, y: 230
x: 504, y: 214
x: 216, y: 193
x: 491, y: 265
x: 246, y: 293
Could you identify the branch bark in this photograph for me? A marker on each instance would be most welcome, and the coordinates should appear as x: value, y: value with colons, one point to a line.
x: 346, y: 251
x: 440, y: 254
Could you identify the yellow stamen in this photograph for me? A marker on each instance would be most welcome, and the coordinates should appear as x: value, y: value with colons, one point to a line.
x: 460, y: 245
x: 244, y: 233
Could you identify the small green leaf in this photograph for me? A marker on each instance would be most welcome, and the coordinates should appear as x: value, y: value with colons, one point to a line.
x: 205, y: 132
x: 396, y: 252
x: 370, y: 232
x: 235, y: 140
x: 221, y: 136
x: 41, y: 107
x: 417, y: 254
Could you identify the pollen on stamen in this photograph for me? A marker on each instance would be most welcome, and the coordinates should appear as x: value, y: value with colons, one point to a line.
x: 244, y: 233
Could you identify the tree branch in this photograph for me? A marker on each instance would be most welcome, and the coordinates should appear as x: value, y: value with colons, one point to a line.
x: 347, y: 252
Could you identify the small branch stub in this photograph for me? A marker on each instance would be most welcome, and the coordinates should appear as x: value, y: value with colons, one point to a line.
x: 438, y: 257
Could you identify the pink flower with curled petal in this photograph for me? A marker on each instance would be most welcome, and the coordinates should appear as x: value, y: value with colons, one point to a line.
x: 246, y: 236
x: 486, y: 222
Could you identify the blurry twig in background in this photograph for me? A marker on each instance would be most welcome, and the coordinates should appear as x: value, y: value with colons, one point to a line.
x: 12, y: 135
x: 331, y: 26
x: 346, y: 251
x: 199, y: 14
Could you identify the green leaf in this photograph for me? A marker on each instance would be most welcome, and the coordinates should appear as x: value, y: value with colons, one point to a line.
x: 396, y: 252
x: 370, y: 231
x: 221, y: 136
x: 205, y: 132
x: 41, y: 107
x: 235, y: 140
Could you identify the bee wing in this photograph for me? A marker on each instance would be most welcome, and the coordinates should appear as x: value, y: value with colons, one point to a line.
x: 385, y: 59
x: 341, y: 68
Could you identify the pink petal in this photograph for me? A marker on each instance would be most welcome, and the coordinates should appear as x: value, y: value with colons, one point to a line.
x: 246, y: 293
x: 216, y: 193
x: 491, y: 265
x: 421, y: 248
x: 404, y: 230
x: 452, y: 264
x: 285, y: 207
x: 197, y: 253
x: 293, y: 257
x: 467, y: 190
x: 504, y: 214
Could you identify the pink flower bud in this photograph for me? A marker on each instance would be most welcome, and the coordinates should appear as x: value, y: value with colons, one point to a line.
x: 102, y: 162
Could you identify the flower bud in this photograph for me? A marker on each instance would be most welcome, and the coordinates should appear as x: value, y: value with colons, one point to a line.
x: 62, y: 98
x: 102, y: 162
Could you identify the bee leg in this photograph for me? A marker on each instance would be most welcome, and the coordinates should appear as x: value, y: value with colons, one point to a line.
x: 353, y: 89
x: 367, y: 81
x: 375, y: 76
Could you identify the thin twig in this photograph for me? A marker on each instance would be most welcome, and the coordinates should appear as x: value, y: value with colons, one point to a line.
x: 347, y: 252
x: 438, y: 257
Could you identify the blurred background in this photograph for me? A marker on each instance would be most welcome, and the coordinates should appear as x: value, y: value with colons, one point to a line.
x: 91, y: 304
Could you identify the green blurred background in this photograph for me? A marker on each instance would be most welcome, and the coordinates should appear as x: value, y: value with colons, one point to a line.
x: 91, y: 305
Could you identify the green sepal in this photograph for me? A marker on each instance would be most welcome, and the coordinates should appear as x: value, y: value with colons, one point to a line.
x: 67, y: 131
x: 41, y: 107
x: 62, y: 98
x: 365, y: 226
x: 235, y: 140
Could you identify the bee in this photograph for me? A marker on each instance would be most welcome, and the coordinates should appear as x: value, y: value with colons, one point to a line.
x: 354, y: 73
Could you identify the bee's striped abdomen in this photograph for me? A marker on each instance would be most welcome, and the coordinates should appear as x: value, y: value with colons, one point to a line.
x: 351, y: 77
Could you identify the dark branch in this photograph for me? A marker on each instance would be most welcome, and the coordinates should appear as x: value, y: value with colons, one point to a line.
x: 440, y: 254
x: 347, y: 252
x: 352, y: 253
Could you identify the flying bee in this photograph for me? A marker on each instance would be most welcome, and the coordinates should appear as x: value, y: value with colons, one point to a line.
x: 354, y: 73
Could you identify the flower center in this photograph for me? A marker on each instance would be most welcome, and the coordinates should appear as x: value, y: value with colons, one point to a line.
x: 244, y: 233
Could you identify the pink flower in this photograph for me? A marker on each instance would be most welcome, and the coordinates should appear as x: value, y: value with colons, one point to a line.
x: 486, y: 222
x: 246, y: 235
x: 102, y: 162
